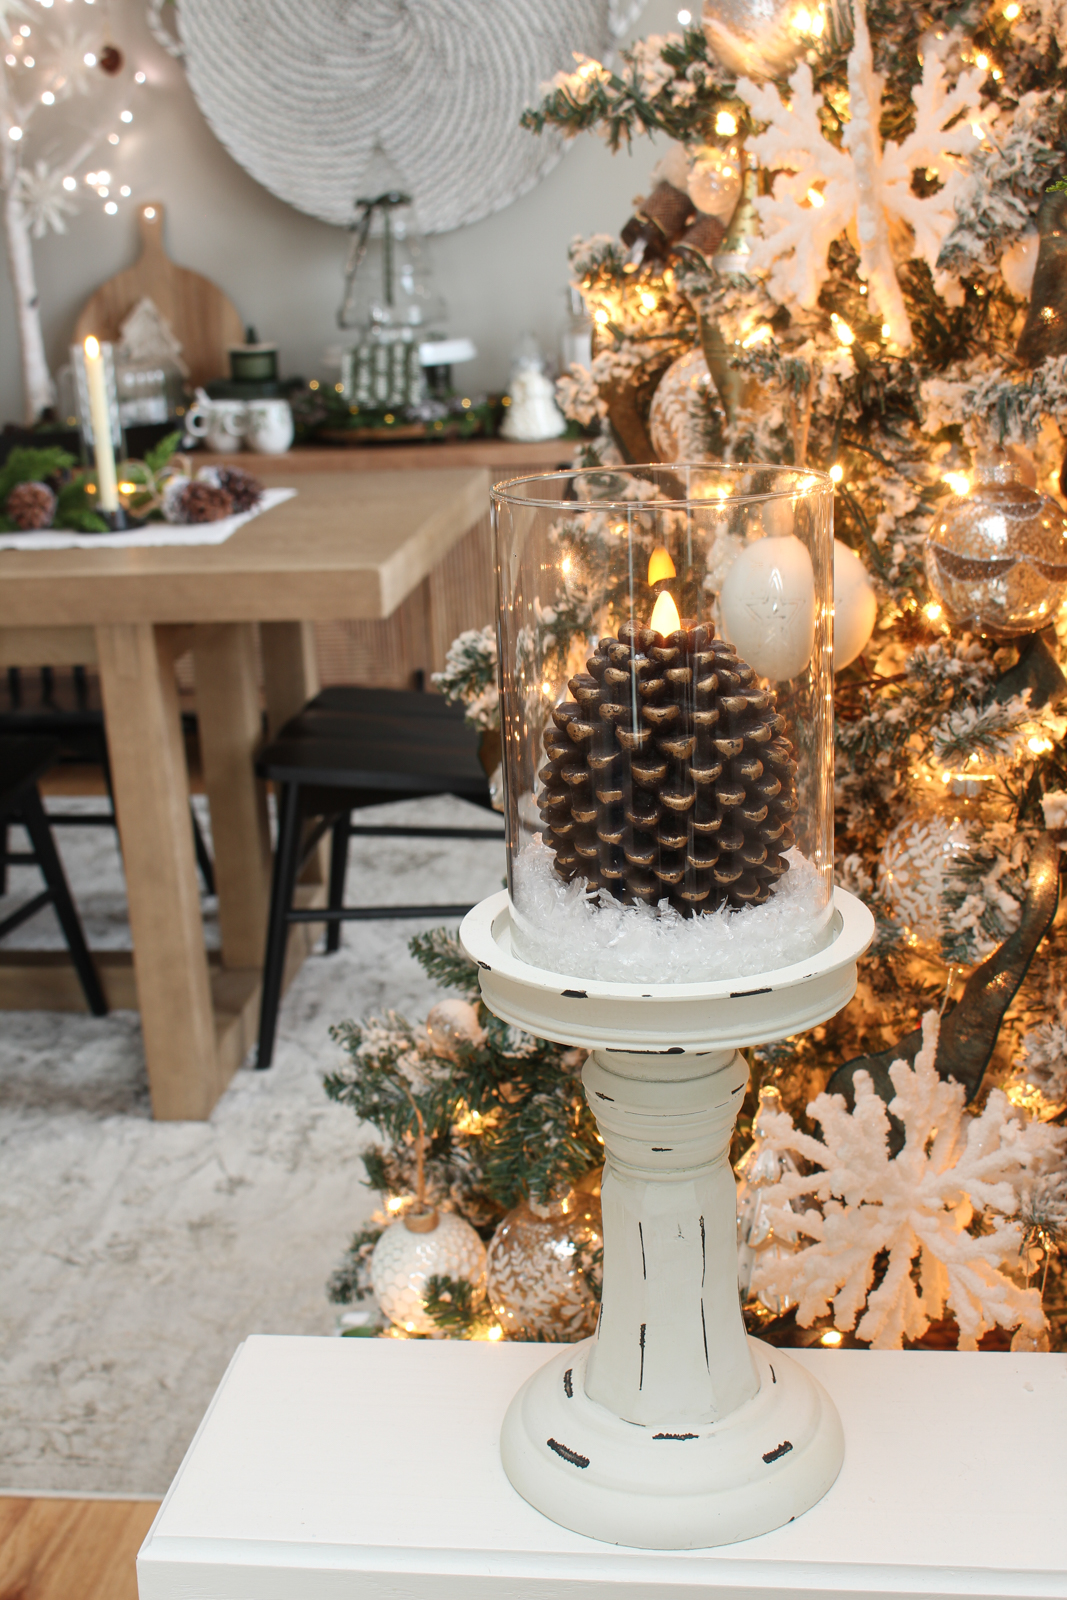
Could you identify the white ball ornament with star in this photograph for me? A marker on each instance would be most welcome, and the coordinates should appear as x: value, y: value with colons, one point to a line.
x: 767, y: 606
x: 855, y: 605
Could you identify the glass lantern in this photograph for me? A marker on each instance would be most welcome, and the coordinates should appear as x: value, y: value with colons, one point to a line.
x: 666, y: 642
x: 389, y: 294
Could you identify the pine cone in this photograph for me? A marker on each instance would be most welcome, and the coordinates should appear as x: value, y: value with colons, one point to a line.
x: 31, y: 505
x: 693, y: 801
x: 243, y: 489
x: 203, y: 502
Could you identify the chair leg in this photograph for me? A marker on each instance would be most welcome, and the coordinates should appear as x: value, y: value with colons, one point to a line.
x: 203, y: 854
x: 283, y: 886
x: 3, y: 857
x: 338, y: 867
x: 40, y: 833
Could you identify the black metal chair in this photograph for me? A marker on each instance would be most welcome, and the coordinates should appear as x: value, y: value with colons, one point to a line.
x: 48, y: 705
x: 22, y: 763
x: 347, y: 749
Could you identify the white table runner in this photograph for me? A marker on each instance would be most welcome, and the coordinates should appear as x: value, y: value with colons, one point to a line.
x: 153, y: 533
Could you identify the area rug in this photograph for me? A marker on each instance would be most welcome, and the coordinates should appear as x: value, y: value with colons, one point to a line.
x: 134, y: 1255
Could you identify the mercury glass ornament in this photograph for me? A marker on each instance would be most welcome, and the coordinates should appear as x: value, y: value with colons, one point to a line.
x: 1045, y: 331
x: 414, y: 1249
x: 452, y: 1025
x: 542, y: 1265
x: 758, y: 38
x: 996, y: 558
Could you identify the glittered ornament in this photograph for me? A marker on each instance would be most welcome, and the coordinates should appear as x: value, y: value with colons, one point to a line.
x: 667, y: 775
x: 855, y: 605
x: 754, y: 38
x: 453, y: 1025
x: 757, y: 1237
x: 414, y: 1249
x: 31, y: 506
x: 996, y: 558
x: 917, y: 857
x: 1045, y: 330
x: 543, y: 1265
x: 685, y: 420
x: 767, y: 606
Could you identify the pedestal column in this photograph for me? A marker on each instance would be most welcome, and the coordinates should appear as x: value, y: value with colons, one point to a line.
x: 670, y: 1349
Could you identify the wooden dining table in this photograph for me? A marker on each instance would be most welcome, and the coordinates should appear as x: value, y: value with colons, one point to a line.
x: 347, y: 546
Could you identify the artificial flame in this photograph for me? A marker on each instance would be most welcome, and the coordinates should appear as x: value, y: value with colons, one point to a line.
x: 665, y: 618
x: 660, y: 565
x: 92, y: 348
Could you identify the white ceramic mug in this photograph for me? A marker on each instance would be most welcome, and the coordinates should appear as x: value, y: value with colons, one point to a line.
x: 269, y: 427
x: 220, y: 422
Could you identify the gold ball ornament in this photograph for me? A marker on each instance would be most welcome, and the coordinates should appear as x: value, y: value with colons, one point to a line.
x: 758, y: 38
x: 540, y: 1262
x: 996, y: 558
x: 414, y: 1249
x: 685, y: 415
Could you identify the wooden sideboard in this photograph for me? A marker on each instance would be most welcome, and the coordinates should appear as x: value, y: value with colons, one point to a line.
x: 460, y: 593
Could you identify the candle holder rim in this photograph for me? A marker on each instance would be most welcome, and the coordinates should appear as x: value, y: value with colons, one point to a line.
x: 812, y: 480
x: 483, y: 930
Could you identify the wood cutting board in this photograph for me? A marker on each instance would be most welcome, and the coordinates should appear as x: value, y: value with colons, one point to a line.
x: 202, y: 318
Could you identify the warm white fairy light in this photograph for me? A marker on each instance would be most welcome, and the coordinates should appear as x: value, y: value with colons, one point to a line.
x: 842, y: 329
x: 111, y: 208
x: 112, y: 138
x: 958, y: 482
x: 726, y: 124
x: 89, y: 59
x: 70, y: 184
x: 139, y: 77
x: 14, y: 133
x: 837, y: 472
x: 125, y: 191
x: 815, y: 198
x: 125, y: 116
x: 48, y: 98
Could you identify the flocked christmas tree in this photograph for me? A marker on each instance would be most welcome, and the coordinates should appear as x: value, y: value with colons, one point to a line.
x: 851, y: 259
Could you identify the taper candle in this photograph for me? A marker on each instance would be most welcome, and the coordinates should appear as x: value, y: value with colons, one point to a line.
x: 99, y: 416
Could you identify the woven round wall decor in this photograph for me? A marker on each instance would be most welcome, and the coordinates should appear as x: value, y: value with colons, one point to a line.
x: 300, y: 91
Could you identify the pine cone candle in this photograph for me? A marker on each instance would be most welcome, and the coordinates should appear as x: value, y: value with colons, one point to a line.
x: 668, y: 776
x: 203, y: 502
x: 31, y: 506
x: 244, y: 490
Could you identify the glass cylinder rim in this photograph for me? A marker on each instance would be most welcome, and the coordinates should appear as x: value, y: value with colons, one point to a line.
x: 815, y: 480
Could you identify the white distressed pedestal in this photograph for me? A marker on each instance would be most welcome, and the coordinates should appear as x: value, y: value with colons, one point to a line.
x: 353, y: 1469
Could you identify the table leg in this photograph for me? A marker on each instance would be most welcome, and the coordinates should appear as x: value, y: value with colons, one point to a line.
x: 290, y: 669
x: 228, y: 715
x: 290, y: 680
x: 151, y: 788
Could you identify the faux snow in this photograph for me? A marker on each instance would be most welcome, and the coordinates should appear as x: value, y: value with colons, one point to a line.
x: 565, y: 928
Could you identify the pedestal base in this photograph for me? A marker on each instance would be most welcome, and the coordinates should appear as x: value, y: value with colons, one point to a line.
x: 594, y: 1473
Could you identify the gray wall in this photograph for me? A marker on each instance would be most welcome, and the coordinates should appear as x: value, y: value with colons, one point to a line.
x: 501, y: 277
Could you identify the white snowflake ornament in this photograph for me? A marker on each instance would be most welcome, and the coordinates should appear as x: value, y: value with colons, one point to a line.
x: 45, y: 202
x: 820, y: 190
x: 915, y: 1208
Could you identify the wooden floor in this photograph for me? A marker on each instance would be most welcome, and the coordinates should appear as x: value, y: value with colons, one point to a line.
x: 71, y: 1549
